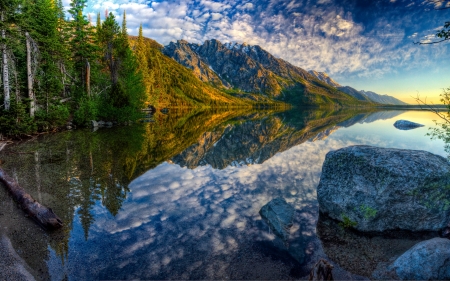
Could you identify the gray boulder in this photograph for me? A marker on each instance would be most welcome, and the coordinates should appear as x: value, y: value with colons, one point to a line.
x: 94, y: 124
x: 378, y: 189
x: 406, y: 125
x: 427, y: 260
x: 278, y: 214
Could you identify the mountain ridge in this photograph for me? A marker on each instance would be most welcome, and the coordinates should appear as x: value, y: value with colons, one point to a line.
x: 244, y: 69
x: 360, y: 95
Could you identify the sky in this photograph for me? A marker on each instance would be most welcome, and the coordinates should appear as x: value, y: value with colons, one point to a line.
x: 368, y: 45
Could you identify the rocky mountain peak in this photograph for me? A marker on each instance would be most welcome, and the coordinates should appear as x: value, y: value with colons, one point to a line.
x: 322, y: 76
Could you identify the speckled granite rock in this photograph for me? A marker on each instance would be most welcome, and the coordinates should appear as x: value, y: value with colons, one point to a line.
x: 406, y: 125
x: 378, y: 189
x: 427, y: 260
x: 12, y: 267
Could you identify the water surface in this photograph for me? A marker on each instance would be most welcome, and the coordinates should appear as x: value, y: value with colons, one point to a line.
x: 178, y: 198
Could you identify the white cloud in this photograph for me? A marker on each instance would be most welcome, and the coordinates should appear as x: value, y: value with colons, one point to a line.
x: 322, y: 35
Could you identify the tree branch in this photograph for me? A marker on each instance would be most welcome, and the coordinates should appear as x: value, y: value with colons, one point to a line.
x: 430, y: 107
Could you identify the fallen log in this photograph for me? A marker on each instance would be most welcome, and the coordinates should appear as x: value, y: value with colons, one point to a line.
x: 42, y: 215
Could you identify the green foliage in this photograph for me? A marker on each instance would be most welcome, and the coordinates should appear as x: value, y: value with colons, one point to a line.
x: 16, y: 121
x: 444, y: 33
x: 347, y: 222
x: 368, y: 212
x: 56, y: 116
x: 87, y: 110
x: 442, y: 129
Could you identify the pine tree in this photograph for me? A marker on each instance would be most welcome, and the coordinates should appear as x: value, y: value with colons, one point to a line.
x: 82, y: 43
x: 141, y: 56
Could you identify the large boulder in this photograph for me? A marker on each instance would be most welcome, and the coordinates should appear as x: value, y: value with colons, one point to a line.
x: 378, y: 189
x: 427, y: 260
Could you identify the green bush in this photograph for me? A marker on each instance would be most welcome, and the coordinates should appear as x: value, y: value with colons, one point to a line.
x: 87, y: 110
x: 16, y: 121
x: 56, y: 116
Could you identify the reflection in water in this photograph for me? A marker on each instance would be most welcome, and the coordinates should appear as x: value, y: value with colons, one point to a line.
x: 195, y: 216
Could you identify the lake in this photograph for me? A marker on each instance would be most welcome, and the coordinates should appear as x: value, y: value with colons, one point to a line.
x: 178, y: 197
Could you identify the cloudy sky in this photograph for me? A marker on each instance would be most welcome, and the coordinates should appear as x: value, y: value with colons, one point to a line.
x: 364, y: 44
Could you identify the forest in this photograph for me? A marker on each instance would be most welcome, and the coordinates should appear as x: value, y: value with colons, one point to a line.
x: 59, y: 67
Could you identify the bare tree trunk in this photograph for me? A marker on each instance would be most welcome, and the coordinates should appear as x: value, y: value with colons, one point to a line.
x: 5, y: 69
x: 88, y: 79
x: 30, y: 77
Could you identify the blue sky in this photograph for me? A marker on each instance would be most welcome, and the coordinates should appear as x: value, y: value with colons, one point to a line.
x: 364, y: 44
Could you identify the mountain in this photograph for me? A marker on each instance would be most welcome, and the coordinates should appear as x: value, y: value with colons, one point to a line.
x: 241, y: 69
x: 384, y: 99
x: 360, y: 95
x: 322, y: 76
x: 175, y: 86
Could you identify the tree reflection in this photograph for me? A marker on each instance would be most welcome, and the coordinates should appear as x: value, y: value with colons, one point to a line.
x: 77, y: 172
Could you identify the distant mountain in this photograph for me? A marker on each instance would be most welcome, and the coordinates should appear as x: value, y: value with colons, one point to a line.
x: 360, y: 95
x: 384, y: 99
x: 241, y: 69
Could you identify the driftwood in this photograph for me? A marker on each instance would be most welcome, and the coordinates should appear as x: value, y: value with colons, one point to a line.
x: 42, y: 215
x: 321, y: 271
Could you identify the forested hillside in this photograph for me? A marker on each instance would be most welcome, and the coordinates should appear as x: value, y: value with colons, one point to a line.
x: 57, y: 68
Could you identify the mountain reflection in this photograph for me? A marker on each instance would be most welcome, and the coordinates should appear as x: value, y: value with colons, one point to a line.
x: 253, y: 141
x: 196, y: 216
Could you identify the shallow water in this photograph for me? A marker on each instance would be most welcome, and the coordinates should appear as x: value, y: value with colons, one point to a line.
x: 178, y: 198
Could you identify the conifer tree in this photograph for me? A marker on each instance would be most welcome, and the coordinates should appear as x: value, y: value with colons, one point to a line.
x: 82, y: 43
x: 141, y: 56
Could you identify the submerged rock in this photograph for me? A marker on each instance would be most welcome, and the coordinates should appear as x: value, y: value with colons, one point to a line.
x: 427, y: 260
x: 278, y: 214
x: 378, y: 189
x: 406, y: 125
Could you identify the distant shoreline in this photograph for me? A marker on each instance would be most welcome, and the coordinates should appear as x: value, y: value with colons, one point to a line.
x: 439, y: 107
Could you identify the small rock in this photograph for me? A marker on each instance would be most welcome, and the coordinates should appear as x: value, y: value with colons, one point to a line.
x: 94, y: 124
x: 278, y: 214
x: 406, y: 125
x: 108, y: 124
x: 69, y: 127
x: 101, y: 123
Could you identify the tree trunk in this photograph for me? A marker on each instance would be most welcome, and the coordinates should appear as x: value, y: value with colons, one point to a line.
x: 5, y: 68
x: 88, y: 79
x: 30, y: 76
x: 42, y: 215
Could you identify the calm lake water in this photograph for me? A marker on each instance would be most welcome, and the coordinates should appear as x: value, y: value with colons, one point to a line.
x: 178, y: 197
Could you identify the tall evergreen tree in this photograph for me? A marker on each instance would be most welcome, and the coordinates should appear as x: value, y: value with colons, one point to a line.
x: 82, y: 43
x: 141, y: 56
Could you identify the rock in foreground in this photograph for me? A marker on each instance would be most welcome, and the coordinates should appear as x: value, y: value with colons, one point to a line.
x: 406, y: 125
x: 278, y: 214
x: 378, y: 189
x: 427, y: 260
